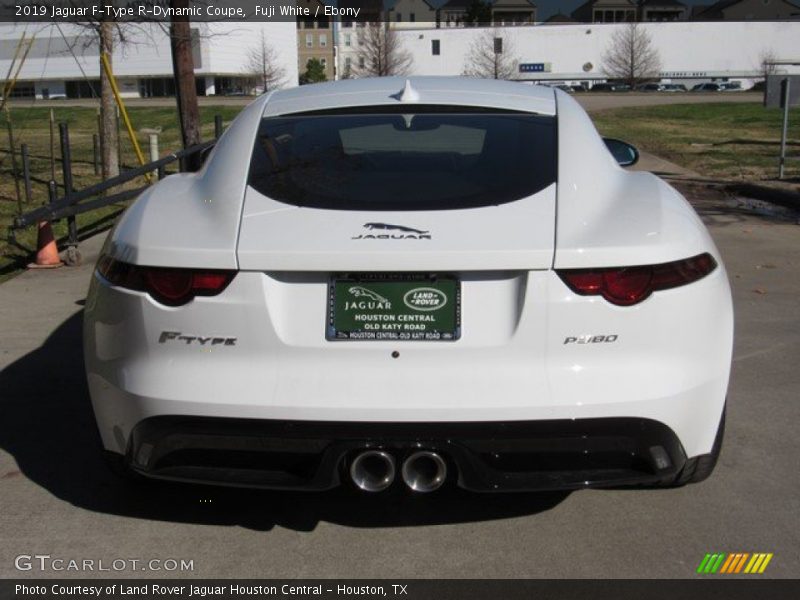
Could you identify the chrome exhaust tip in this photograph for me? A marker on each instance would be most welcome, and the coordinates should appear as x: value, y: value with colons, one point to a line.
x: 424, y: 471
x: 373, y: 470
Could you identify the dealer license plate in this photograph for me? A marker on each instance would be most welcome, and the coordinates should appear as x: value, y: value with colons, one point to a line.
x: 394, y: 307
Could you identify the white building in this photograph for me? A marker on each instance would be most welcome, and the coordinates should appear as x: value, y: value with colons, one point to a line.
x: 348, y: 60
x: 64, y: 60
x: 574, y: 52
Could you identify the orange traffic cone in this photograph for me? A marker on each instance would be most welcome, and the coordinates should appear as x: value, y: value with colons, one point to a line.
x: 46, y: 250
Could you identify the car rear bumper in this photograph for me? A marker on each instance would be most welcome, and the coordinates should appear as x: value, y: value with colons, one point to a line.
x: 669, y: 364
x: 482, y: 457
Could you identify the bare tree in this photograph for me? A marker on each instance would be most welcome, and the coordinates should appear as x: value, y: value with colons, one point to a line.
x: 263, y: 65
x: 491, y: 56
x: 110, y: 33
x: 105, y: 35
x: 180, y: 34
x: 766, y: 62
x: 108, y: 108
x: 381, y: 52
x: 631, y: 56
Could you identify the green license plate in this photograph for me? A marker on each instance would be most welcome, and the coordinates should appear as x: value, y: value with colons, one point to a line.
x: 394, y: 307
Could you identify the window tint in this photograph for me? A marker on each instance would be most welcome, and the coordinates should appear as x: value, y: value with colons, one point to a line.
x: 381, y: 159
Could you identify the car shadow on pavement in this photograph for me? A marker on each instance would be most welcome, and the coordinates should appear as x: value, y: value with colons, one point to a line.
x: 47, y: 426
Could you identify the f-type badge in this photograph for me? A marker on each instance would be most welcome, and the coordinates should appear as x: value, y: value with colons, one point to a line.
x: 406, y: 233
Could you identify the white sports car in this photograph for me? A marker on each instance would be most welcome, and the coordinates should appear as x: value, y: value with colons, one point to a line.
x: 412, y: 281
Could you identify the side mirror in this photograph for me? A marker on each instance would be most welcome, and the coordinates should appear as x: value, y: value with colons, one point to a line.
x: 625, y: 154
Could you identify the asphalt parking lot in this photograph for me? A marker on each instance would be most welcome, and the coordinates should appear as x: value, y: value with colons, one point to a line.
x: 57, y: 498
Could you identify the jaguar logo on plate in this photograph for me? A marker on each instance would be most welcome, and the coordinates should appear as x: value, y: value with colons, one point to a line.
x: 424, y: 298
x: 359, y: 291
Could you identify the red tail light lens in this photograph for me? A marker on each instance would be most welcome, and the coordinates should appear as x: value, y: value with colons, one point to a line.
x: 169, y: 286
x: 625, y: 286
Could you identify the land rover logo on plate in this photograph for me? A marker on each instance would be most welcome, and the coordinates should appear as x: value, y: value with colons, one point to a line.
x: 424, y: 298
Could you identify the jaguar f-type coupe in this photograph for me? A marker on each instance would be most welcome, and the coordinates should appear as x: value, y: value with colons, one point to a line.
x: 411, y: 282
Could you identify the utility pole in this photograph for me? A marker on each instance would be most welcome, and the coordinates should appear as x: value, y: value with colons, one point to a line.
x: 785, y: 97
x: 183, y: 71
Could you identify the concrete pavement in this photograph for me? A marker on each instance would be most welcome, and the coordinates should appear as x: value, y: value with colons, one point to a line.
x: 58, y: 499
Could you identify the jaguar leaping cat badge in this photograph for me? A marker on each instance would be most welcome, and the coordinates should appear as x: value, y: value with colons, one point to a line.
x: 406, y: 233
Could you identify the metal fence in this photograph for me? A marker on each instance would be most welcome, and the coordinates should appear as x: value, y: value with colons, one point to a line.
x: 75, y: 202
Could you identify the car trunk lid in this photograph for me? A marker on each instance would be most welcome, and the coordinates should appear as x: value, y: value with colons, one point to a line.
x: 275, y: 236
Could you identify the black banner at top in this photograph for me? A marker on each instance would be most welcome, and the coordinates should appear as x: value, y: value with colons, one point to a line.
x: 66, y: 11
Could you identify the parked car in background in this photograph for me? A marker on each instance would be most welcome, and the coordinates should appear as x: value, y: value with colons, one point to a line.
x: 706, y: 87
x: 673, y: 87
x: 730, y: 86
x: 610, y: 87
x: 649, y: 87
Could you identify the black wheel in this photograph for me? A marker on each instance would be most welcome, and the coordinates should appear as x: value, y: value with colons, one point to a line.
x: 699, y: 468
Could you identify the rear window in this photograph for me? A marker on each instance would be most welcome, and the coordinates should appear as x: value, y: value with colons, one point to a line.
x: 420, y: 159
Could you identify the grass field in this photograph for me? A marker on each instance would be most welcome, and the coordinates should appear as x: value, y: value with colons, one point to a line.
x: 31, y: 127
x: 738, y: 142
x: 724, y: 141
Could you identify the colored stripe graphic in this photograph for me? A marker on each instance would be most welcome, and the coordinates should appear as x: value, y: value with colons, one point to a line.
x: 734, y: 563
x: 759, y: 564
x: 708, y: 563
x: 741, y: 562
x: 754, y: 563
x: 728, y: 563
x: 764, y: 564
x: 717, y: 563
x: 703, y: 563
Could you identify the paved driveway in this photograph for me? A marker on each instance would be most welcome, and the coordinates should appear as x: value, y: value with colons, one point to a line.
x: 56, y: 497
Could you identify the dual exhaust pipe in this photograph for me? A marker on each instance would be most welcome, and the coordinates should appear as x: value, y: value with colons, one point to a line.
x: 375, y: 470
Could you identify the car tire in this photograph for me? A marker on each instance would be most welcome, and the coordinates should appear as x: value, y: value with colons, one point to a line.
x: 699, y: 468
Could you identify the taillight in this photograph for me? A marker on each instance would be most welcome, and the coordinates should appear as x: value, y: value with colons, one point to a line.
x: 625, y: 286
x: 169, y: 286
